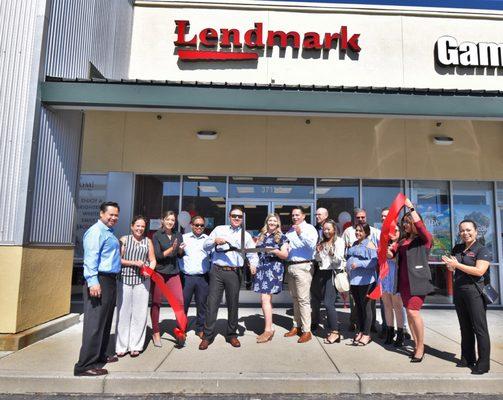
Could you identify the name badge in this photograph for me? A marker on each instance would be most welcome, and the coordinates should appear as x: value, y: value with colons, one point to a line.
x: 418, y: 267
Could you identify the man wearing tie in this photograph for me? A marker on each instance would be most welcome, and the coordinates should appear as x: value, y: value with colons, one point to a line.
x: 225, y: 242
x: 303, y: 238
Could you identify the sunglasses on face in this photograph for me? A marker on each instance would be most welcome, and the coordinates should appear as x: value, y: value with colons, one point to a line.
x: 236, y: 216
x: 198, y: 225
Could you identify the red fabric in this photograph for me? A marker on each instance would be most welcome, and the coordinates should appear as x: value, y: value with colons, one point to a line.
x: 388, y: 226
x: 170, y: 287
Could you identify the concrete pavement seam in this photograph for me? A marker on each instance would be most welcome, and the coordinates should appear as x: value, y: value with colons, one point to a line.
x: 164, y: 359
x: 318, y: 339
x: 359, y: 382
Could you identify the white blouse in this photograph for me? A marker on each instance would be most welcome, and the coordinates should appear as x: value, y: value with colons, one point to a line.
x: 335, y: 261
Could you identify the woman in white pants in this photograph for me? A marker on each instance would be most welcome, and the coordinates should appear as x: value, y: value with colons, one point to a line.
x: 133, y: 289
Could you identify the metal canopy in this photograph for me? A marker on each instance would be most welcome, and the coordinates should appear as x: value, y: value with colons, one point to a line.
x: 224, y: 97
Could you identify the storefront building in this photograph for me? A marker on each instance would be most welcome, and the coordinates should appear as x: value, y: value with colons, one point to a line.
x: 198, y: 106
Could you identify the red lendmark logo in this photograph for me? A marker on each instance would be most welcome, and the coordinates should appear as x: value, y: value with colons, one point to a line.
x: 202, y: 55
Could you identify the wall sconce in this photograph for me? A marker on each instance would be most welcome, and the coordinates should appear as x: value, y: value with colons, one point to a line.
x: 207, y: 135
x: 443, y: 140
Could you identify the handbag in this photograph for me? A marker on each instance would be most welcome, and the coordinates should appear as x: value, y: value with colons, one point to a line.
x: 340, y: 280
x: 488, y: 293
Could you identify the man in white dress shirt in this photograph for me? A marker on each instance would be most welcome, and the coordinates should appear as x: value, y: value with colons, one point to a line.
x: 194, y: 266
x: 227, y: 261
x: 303, y: 238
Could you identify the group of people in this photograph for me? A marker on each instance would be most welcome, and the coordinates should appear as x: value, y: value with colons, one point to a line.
x: 203, y: 267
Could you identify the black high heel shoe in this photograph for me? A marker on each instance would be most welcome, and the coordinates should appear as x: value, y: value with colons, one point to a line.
x: 415, y: 359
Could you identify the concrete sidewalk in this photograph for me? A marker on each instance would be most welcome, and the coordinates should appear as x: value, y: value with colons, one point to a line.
x: 280, y: 366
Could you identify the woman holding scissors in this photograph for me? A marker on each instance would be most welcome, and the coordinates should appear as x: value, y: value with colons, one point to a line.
x: 269, y: 273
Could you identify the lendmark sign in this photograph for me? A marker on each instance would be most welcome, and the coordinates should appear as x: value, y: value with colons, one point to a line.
x: 230, y: 44
x: 467, y: 54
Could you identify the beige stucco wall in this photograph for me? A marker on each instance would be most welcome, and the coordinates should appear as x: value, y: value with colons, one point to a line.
x: 287, y: 146
x: 35, y: 286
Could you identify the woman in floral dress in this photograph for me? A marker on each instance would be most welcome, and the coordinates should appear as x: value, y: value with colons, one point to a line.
x: 269, y: 273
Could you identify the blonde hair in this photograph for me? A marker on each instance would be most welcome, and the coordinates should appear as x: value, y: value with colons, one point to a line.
x: 277, y: 233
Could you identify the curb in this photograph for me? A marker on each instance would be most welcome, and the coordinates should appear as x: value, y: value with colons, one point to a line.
x: 16, y: 382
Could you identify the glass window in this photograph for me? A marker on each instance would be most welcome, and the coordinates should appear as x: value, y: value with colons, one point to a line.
x: 431, y: 199
x: 441, y: 278
x: 271, y: 188
x: 376, y: 195
x: 205, y: 195
x: 339, y: 197
x: 474, y: 200
x: 156, y: 194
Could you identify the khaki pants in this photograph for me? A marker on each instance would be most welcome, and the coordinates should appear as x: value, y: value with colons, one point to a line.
x: 299, y: 277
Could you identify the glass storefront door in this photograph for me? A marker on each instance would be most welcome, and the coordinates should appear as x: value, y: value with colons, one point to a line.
x: 256, y: 213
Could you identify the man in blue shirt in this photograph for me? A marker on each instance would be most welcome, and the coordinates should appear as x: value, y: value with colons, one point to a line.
x: 303, y: 238
x: 195, y: 265
x: 102, y: 263
x: 227, y: 262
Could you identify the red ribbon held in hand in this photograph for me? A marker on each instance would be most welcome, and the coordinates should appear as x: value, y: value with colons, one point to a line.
x: 173, y: 301
x: 388, y: 226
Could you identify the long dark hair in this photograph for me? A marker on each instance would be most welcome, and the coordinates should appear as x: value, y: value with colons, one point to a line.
x: 326, y: 243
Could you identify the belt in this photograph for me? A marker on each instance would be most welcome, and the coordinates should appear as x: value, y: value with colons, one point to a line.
x: 109, y: 274
x: 300, y: 262
x: 226, y: 268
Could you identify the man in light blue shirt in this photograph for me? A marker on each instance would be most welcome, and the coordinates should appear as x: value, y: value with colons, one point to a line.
x: 102, y: 263
x: 303, y: 238
x: 225, y: 242
x: 195, y: 265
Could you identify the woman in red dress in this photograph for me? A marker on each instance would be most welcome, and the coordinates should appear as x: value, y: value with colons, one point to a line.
x: 414, y: 275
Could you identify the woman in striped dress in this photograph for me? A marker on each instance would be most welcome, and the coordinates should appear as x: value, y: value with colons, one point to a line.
x: 133, y: 289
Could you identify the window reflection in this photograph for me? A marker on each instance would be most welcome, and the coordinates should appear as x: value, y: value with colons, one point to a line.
x: 376, y: 195
x: 271, y: 188
x: 474, y: 200
x: 431, y: 199
x: 339, y: 197
x: 204, y: 195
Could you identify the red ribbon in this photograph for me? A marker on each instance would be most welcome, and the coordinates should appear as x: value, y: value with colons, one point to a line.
x: 388, y: 226
x: 173, y: 301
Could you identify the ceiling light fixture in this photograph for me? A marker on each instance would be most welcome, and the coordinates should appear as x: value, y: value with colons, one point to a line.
x: 207, y: 135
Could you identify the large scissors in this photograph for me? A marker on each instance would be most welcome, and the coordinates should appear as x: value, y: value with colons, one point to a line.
x: 224, y: 248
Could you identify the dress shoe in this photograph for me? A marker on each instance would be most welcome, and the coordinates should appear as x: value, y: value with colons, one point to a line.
x: 110, y: 359
x: 157, y: 342
x: 479, y: 371
x: 92, y: 372
x: 265, y: 337
x: 305, y: 337
x: 234, y: 341
x: 200, y: 334
x: 292, y: 332
x: 465, y: 364
x: 399, y: 338
x: 204, y: 344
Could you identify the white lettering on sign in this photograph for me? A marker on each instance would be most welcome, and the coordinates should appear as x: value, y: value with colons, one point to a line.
x: 468, y: 54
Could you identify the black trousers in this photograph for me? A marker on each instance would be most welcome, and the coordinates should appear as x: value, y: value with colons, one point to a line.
x: 98, y: 314
x: 353, y: 318
x: 471, y: 311
x: 196, y: 286
x: 363, y: 307
x: 220, y: 281
x: 322, y: 290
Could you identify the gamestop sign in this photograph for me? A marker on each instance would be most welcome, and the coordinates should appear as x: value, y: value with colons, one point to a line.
x: 450, y: 53
x: 228, y: 44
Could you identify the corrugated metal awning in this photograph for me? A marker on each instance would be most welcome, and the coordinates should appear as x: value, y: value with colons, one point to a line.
x: 271, y: 98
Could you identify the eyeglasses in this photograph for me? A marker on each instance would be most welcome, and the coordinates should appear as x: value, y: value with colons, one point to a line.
x: 237, y: 216
x: 198, y: 225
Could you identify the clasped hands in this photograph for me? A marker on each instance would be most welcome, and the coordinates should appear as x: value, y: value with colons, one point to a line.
x: 450, y: 261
